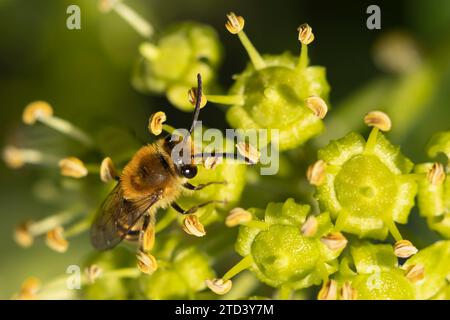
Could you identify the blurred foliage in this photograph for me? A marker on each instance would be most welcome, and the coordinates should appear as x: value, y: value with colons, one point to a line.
x: 86, y: 75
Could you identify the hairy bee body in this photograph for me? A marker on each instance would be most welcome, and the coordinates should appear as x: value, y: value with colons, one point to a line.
x: 152, y: 179
x: 148, y: 182
x: 151, y: 170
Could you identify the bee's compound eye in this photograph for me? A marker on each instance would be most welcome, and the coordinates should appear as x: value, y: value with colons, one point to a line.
x: 189, y: 171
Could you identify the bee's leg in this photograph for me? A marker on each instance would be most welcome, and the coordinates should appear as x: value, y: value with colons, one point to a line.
x: 147, y: 232
x: 189, y: 186
x: 194, y: 208
x: 132, y: 235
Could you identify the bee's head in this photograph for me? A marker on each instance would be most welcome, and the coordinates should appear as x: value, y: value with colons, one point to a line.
x: 181, y: 147
x: 181, y: 155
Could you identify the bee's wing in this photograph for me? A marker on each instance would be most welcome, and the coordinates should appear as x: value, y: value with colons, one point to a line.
x: 116, y: 218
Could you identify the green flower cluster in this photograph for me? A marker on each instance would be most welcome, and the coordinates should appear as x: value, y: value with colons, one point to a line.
x: 371, y: 272
x: 277, y: 92
x: 434, y: 189
x: 170, y: 65
x: 331, y: 244
x: 286, y: 248
x: 366, y: 186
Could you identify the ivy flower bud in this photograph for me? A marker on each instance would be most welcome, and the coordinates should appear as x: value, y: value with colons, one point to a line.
x: 367, y: 188
x: 155, y: 124
x: 170, y: 65
x: 237, y: 216
x: 219, y: 286
x: 108, y: 171
x: 305, y: 34
x: 317, y: 105
x: 146, y: 262
x: 193, y: 226
x: 284, y: 248
x: 404, y: 249
x: 235, y: 24
x: 56, y: 241
x: 379, y: 120
x: 72, y: 167
x: 316, y: 173
x: 329, y: 291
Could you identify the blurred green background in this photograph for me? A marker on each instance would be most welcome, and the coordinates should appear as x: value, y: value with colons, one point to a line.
x: 85, y: 75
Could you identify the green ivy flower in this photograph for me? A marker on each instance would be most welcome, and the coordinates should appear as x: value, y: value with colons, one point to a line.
x: 233, y: 177
x: 170, y: 65
x: 370, y: 272
x: 181, y: 273
x: 279, y: 92
x: 365, y: 185
x: 110, y: 287
x: 433, y: 264
x: 434, y: 187
x: 284, y: 247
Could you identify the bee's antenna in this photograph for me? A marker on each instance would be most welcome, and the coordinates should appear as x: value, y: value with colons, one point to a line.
x: 198, y: 102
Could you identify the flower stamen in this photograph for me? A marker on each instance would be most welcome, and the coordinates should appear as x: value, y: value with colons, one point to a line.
x: 316, y: 173
x: 108, y: 171
x: 328, y: 291
x: 42, y: 111
x: 146, y: 262
x: 73, y: 167
x: 335, y: 241
x: 317, y: 105
x: 219, y: 286
x: 348, y: 292
x: 436, y: 175
x: 415, y: 272
x: 56, y: 241
x: 404, y: 249
x: 237, y: 216
x: 235, y: 25
x: 309, y: 228
x: 249, y: 152
x: 193, y: 226
x: 143, y: 27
